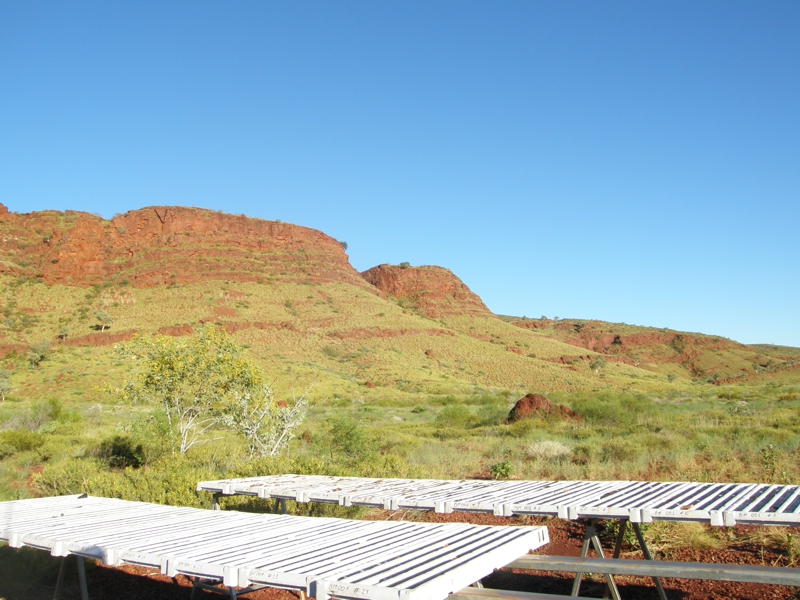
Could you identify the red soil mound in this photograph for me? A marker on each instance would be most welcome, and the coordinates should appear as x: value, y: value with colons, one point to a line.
x: 536, y: 404
x: 433, y: 291
x: 162, y: 245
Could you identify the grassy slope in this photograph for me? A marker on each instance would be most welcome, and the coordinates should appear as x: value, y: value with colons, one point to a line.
x: 342, y: 335
x: 634, y: 424
x: 684, y: 355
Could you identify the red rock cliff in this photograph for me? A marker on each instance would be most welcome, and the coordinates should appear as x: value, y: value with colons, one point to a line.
x: 433, y: 291
x: 159, y: 245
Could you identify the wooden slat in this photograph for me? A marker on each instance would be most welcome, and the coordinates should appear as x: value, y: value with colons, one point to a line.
x: 659, y: 568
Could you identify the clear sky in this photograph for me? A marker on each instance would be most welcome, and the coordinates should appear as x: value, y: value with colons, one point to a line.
x: 634, y: 162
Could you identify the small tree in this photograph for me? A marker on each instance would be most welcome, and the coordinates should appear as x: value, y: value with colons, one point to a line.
x: 63, y: 333
x: 103, y: 318
x: 38, y: 352
x: 204, y: 381
x: 268, y: 426
x: 597, y: 364
x: 5, y: 384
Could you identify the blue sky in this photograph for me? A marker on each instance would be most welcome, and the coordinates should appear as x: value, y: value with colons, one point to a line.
x: 633, y: 162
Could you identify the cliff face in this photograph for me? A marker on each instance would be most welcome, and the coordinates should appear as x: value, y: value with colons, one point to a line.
x: 161, y: 245
x: 433, y: 291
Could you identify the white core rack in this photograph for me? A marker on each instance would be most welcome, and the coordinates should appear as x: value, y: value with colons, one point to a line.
x: 638, y: 501
x: 355, y: 560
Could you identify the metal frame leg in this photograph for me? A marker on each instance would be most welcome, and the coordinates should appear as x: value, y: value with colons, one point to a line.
x: 637, y: 530
x: 623, y: 525
x: 215, y: 501
x: 590, y: 537
x: 60, y: 580
x: 280, y: 506
x: 82, y: 579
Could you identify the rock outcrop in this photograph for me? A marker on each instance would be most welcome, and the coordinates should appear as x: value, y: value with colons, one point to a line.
x: 163, y: 245
x: 432, y: 291
x: 536, y: 405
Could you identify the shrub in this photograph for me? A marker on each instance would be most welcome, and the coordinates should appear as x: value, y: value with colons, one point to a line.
x: 583, y: 454
x: 608, y: 409
x: 39, y: 415
x: 501, y: 470
x: 21, y: 440
x: 120, y: 452
x: 457, y: 415
x: 38, y: 352
x: 617, y: 450
x: 547, y: 450
x: 346, y: 436
x: 492, y: 414
x: 597, y: 364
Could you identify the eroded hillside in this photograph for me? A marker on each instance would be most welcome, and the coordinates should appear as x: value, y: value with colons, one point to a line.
x: 391, y: 334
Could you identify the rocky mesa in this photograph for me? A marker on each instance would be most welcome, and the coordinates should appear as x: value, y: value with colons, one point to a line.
x: 162, y: 245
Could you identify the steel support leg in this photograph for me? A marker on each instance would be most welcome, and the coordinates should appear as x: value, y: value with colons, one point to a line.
x: 590, y: 538
x: 623, y: 525
x: 637, y: 530
x: 82, y: 579
x: 280, y: 506
x: 215, y: 501
x: 60, y: 580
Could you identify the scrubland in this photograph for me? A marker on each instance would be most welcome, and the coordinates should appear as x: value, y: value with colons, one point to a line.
x: 395, y: 394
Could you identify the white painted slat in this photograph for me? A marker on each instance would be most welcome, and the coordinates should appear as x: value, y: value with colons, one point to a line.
x: 419, y: 561
x: 715, y: 503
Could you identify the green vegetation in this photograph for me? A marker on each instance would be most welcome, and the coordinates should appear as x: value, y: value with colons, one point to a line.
x: 204, y: 381
x: 388, y: 393
x: 123, y: 450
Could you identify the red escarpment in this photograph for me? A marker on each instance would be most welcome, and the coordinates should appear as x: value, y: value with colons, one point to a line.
x: 433, y: 291
x: 161, y: 245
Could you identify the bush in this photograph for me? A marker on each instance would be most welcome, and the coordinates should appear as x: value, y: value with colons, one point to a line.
x: 492, y: 414
x: 617, y: 450
x: 39, y: 415
x: 20, y: 440
x: 582, y: 454
x: 457, y: 415
x: 38, y: 352
x: 6, y: 449
x: 547, y: 450
x: 346, y: 436
x: 120, y: 452
x: 501, y: 470
x: 597, y: 364
x: 611, y: 410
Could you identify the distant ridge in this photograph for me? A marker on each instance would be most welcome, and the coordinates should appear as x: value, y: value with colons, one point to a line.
x: 290, y: 294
